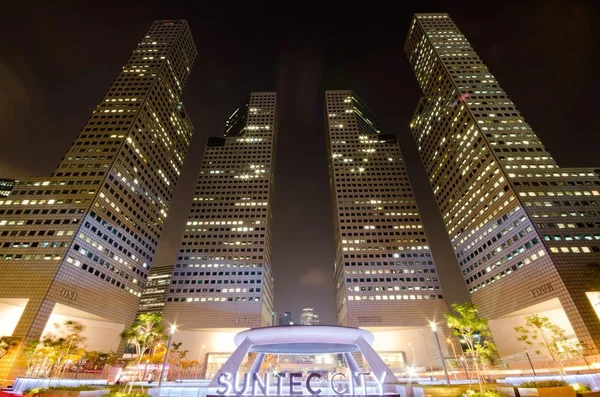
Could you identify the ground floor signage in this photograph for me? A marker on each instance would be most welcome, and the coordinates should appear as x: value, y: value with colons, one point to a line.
x: 253, y: 384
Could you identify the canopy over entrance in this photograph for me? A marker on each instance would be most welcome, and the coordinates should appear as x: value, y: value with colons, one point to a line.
x: 305, y: 339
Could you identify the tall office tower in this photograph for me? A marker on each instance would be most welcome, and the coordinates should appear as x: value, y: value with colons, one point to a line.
x: 523, y: 228
x: 154, y: 294
x: 309, y: 317
x: 6, y: 186
x: 223, y: 276
x: 384, y: 273
x: 285, y: 318
x: 79, y: 244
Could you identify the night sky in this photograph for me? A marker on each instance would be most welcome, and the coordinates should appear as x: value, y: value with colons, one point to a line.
x: 58, y: 58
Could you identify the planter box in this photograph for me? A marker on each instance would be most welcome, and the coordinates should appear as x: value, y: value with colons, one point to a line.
x: 510, y: 391
x: 94, y: 393
x: 563, y: 391
x: 74, y: 393
x: 441, y: 391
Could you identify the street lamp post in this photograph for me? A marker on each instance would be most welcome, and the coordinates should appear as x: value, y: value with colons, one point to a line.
x: 530, y: 363
x: 145, y: 370
x: 449, y: 341
x: 412, y: 359
x: 428, y: 356
x: 437, y: 342
x: 162, y: 372
x: 462, y: 361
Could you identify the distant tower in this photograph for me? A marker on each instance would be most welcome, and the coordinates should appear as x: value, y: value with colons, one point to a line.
x: 309, y: 317
x: 79, y: 244
x: 285, y: 318
x: 525, y: 231
x: 223, y: 275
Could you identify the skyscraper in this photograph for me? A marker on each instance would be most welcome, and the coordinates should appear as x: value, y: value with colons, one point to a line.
x: 79, y: 244
x: 384, y: 273
x: 223, y: 275
x: 524, y: 230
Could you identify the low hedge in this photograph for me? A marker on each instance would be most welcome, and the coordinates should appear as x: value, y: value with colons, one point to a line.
x: 540, y: 384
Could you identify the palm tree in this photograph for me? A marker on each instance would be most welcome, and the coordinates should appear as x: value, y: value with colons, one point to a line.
x: 145, y: 331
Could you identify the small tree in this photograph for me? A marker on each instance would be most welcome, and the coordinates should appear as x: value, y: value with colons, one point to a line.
x: 145, y: 331
x: 7, y: 343
x: 473, y: 329
x: 548, y: 339
x: 96, y: 359
x: 51, y: 355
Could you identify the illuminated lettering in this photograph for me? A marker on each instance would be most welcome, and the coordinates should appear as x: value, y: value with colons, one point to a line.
x: 310, y: 389
x: 292, y: 383
x: 333, y: 386
x: 260, y: 383
x: 224, y: 379
x: 232, y: 385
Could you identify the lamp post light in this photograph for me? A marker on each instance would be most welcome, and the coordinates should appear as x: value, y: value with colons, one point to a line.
x: 155, y: 347
x: 437, y: 342
x: 162, y: 372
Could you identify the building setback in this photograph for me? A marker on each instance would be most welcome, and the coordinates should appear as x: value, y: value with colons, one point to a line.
x: 79, y: 244
x: 384, y: 273
x: 6, y: 186
x: 523, y: 228
x: 154, y: 294
x: 223, y: 275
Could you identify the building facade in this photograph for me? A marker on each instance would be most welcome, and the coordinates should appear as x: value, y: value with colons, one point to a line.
x: 79, y: 244
x: 525, y: 231
x: 223, y: 275
x: 385, y: 277
x: 6, y: 186
x: 154, y: 294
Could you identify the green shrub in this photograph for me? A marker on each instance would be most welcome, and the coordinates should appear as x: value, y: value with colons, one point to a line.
x: 544, y: 383
x: 74, y: 388
x: 36, y: 392
x: 582, y: 387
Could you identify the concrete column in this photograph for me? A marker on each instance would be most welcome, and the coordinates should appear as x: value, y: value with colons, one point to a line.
x: 351, y: 363
x: 234, y: 361
x: 29, y: 328
x: 257, y: 363
x: 378, y: 366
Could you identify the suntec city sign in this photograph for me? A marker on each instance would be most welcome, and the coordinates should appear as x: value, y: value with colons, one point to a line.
x: 230, y: 385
